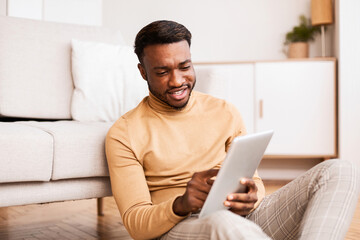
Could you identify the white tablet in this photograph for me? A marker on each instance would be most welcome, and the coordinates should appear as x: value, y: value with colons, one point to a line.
x: 242, y: 160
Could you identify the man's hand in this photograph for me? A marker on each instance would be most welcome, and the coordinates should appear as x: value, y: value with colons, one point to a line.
x: 196, y: 192
x: 243, y: 203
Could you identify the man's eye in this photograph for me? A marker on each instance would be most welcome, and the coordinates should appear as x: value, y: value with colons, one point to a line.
x: 161, y: 73
x: 185, y: 67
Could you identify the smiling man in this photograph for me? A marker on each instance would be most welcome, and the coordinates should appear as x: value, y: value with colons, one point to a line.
x: 163, y: 154
x: 168, y: 70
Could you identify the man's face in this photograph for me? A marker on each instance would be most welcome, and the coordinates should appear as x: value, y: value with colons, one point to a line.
x: 169, y: 72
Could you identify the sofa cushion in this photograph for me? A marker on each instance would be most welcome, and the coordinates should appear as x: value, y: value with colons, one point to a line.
x: 107, y: 81
x: 35, y: 67
x: 26, y: 153
x: 79, y: 148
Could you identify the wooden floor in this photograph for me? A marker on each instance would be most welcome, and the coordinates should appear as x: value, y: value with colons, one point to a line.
x: 79, y: 220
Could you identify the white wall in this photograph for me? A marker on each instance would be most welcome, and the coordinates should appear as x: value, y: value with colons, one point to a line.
x: 2, y: 7
x: 32, y: 9
x: 348, y: 53
x: 85, y: 12
x: 227, y: 30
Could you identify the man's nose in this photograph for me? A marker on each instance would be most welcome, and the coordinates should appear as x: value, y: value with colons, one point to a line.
x: 177, y: 79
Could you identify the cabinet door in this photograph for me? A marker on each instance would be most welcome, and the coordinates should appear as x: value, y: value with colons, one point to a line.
x: 232, y: 82
x: 297, y: 100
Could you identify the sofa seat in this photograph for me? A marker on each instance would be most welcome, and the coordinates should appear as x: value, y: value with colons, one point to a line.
x: 24, y: 147
x: 52, y: 150
x: 79, y: 147
x: 52, y: 161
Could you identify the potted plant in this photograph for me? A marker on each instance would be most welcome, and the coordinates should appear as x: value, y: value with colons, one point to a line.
x: 298, y: 38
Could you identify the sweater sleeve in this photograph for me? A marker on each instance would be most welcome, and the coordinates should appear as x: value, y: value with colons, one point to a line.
x: 142, y: 219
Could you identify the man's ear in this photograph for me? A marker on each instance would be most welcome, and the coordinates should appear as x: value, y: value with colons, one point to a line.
x: 142, y: 71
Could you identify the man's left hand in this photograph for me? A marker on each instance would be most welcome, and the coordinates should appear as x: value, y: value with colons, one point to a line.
x: 243, y: 203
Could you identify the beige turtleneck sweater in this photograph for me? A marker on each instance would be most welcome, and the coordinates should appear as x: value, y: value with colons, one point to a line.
x: 153, y: 151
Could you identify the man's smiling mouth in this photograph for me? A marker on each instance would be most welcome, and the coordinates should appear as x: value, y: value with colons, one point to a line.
x: 179, y: 92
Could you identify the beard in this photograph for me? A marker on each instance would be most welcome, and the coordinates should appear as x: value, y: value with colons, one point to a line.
x: 162, y: 97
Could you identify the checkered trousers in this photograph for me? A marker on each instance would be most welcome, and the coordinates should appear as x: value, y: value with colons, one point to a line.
x: 317, y: 205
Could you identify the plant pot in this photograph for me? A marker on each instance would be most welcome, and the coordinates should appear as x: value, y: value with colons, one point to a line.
x: 298, y: 50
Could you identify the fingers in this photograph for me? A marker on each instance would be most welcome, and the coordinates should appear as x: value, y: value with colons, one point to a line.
x: 198, y: 185
x: 241, y: 203
x: 202, y: 180
x: 198, y: 188
x: 244, y: 210
x: 243, y: 197
x: 207, y: 173
x: 249, y: 183
x: 194, y: 202
x: 210, y: 181
x: 240, y: 208
x: 185, y: 204
x: 196, y: 192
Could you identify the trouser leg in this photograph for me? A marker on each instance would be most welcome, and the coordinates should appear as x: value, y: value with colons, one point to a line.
x: 221, y: 225
x: 317, y: 205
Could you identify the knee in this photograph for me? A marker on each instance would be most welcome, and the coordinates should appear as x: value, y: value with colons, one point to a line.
x: 220, y: 220
x: 227, y: 225
x: 343, y: 171
x: 339, y: 165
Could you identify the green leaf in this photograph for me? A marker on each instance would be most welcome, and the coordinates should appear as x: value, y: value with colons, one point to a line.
x: 304, y: 32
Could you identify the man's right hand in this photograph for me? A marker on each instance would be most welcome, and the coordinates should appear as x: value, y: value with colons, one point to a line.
x: 196, y: 192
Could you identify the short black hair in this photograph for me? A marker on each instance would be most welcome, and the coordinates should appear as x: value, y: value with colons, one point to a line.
x: 160, y: 32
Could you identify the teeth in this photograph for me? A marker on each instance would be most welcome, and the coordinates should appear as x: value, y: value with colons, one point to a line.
x: 178, y: 92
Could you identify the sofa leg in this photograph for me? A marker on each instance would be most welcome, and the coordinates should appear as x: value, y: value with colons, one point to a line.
x: 100, y: 206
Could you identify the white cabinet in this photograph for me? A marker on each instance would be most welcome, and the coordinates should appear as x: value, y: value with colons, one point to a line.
x: 232, y: 82
x: 295, y: 98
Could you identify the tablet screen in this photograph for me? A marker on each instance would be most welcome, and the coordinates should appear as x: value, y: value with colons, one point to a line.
x: 242, y: 160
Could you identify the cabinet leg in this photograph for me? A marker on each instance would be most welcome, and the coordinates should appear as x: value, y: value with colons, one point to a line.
x: 100, y: 204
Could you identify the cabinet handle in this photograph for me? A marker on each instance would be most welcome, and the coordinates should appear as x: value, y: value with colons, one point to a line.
x: 261, y: 108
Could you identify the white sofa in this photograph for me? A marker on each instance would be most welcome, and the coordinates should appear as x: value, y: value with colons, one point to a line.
x: 45, y: 155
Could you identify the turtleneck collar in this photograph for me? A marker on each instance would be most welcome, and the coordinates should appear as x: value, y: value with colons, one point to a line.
x: 159, y: 106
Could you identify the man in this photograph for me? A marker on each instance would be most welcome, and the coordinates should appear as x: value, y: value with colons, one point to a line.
x: 163, y: 156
